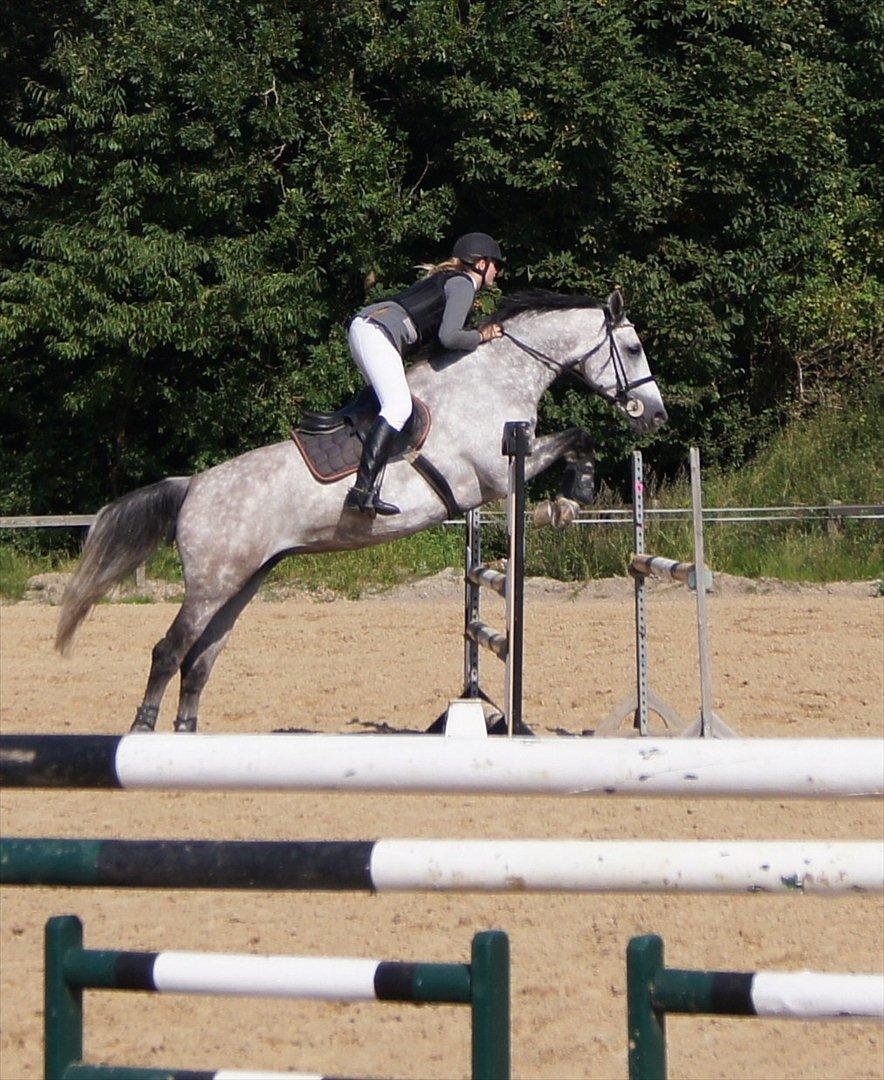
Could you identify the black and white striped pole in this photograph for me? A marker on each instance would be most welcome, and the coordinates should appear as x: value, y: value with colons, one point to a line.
x: 571, y: 768
x: 567, y: 866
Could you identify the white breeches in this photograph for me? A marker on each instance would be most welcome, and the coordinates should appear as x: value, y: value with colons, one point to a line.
x: 379, y: 361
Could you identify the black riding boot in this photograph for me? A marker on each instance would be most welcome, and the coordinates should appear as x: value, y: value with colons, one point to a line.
x: 365, y: 493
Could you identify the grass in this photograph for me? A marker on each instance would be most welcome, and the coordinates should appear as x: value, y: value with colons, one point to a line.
x: 792, y: 551
x: 20, y: 561
x: 833, y: 455
x: 348, y: 573
x: 353, y: 573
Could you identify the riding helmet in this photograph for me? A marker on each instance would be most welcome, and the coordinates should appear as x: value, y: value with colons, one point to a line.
x: 477, y: 245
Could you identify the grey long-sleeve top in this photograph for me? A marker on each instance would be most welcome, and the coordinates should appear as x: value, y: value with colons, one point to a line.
x: 459, y: 295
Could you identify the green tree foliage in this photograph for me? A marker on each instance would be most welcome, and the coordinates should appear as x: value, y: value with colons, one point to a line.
x: 195, y: 196
x: 202, y: 192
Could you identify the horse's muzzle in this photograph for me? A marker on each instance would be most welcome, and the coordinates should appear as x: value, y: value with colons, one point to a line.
x: 647, y: 422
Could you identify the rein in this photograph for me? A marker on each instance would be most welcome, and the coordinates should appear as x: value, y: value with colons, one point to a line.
x: 633, y: 406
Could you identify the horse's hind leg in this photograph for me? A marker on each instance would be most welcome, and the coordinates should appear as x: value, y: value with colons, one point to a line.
x: 168, y: 653
x: 197, y: 665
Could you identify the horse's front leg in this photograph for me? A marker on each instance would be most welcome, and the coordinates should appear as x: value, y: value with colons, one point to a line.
x: 572, y: 444
x: 578, y: 484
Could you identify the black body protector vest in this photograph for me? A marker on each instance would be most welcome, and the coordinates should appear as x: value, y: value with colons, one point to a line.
x: 425, y: 303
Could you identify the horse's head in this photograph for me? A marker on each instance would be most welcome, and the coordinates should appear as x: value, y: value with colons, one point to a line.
x: 618, y: 369
x: 552, y: 327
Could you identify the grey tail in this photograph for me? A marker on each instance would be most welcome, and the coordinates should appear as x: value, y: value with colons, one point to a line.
x: 125, y: 534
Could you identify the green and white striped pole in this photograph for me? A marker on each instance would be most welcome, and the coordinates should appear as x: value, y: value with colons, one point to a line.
x: 654, y: 990
x: 483, y: 985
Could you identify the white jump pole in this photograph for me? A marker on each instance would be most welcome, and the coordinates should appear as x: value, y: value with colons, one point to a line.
x: 627, y: 866
x: 811, y: 995
x: 748, y: 768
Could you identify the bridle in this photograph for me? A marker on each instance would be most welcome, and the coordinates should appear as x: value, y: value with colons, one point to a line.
x: 632, y: 405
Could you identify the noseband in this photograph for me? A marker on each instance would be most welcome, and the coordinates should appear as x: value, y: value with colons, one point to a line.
x: 632, y: 405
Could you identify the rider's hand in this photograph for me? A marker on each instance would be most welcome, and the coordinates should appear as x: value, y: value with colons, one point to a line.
x: 490, y: 331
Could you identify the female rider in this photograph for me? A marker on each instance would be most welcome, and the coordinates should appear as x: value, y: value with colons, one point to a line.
x: 380, y: 335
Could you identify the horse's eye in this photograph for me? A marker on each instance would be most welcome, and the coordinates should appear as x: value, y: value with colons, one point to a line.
x: 634, y: 350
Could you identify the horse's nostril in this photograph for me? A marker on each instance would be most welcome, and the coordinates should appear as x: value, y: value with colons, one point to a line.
x: 660, y: 417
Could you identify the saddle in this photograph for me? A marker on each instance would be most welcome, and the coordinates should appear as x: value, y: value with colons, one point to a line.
x: 331, y: 443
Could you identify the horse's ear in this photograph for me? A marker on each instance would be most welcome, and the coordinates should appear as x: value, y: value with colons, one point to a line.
x: 615, y: 306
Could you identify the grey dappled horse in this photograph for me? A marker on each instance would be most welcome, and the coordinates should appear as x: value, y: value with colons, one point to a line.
x: 234, y: 522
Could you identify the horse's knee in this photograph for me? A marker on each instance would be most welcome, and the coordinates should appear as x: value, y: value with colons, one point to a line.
x: 578, y: 483
x: 582, y: 446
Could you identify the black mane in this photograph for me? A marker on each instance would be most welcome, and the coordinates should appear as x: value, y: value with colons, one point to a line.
x: 540, y: 300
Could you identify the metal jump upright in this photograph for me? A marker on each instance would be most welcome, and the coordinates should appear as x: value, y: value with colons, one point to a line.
x: 698, y: 578
x: 508, y: 646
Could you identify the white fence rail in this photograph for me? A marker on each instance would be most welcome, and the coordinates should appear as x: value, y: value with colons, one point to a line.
x: 619, y: 516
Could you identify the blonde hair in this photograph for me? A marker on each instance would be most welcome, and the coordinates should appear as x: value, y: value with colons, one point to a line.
x: 437, y: 268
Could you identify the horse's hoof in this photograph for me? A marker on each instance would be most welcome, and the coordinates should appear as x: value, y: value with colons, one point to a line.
x: 564, y: 512
x: 185, y: 723
x: 145, y: 718
x: 543, y: 514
